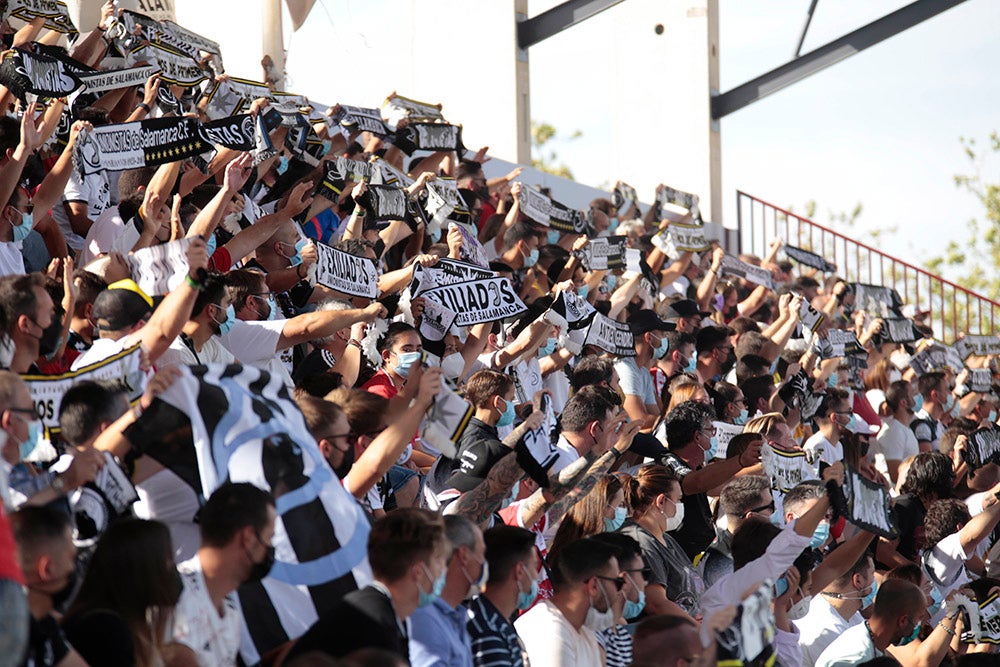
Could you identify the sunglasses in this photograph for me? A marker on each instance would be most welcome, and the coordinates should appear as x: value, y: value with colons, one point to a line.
x: 646, y: 572
x: 618, y: 581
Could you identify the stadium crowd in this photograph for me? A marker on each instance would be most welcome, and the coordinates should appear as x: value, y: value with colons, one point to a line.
x: 669, y: 461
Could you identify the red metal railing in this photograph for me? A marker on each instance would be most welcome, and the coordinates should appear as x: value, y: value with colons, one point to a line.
x: 953, y: 308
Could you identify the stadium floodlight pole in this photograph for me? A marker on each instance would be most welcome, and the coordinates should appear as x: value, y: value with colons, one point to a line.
x: 829, y: 54
x: 273, y: 44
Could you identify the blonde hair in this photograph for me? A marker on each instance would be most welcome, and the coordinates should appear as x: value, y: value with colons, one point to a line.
x: 766, y: 424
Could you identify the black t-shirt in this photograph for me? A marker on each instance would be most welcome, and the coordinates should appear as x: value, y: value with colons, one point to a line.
x: 46, y: 643
x: 697, y: 530
x: 101, y: 637
x: 908, y: 513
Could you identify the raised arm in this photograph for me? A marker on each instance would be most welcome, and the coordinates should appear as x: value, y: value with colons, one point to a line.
x: 385, y: 449
x: 321, y: 323
x: 174, y: 311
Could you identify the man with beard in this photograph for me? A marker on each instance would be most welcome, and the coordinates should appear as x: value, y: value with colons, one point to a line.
x: 237, y: 536
x: 329, y: 425
x: 716, y: 353
x: 46, y: 555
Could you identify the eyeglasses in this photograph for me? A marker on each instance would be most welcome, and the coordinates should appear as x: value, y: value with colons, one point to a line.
x: 770, y: 506
x: 349, y: 434
x: 646, y: 572
x: 24, y: 411
x: 618, y: 581
x: 263, y: 295
x: 711, y: 431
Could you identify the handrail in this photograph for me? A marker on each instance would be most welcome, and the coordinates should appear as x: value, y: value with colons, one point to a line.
x: 759, y: 224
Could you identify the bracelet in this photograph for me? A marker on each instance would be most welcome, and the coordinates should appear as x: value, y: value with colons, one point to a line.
x: 355, y: 343
x: 944, y: 627
x: 616, y: 453
x: 137, y: 410
x: 192, y: 283
x: 143, y: 106
x: 298, y: 271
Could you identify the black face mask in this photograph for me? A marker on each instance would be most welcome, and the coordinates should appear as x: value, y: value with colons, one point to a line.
x: 62, y: 597
x: 261, y: 569
x: 730, y: 361
x: 51, y: 339
x: 379, y: 247
x: 345, y: 465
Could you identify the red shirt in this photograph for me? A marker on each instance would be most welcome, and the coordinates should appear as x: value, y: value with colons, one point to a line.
x: 381, y: 385
x: 9, y: 568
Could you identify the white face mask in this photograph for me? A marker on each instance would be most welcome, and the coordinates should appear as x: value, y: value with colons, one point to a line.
x: 600, y: 620
x: 453, y: 365
x: 674, y: 522
x: 799, y: 609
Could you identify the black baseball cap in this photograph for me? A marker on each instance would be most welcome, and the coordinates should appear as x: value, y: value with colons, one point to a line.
x: 121, y: 306
x: 645, y: 320
x: 683, y: 308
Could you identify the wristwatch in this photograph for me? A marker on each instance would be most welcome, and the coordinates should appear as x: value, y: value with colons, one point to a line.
x: 59, y: 484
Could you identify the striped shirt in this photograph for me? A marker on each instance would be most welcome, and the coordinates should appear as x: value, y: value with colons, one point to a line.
x: 617, y: 644
x: 494, y: 640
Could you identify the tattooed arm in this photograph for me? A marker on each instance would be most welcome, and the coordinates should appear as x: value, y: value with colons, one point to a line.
x: 575, y: 481
x: 479, y: 503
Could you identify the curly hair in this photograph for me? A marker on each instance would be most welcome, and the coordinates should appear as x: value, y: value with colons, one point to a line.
x: 943, y: 518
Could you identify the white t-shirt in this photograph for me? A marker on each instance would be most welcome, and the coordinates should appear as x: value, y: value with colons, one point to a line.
x: 819, y: 627
x: 11, y: 259
x: 551, y: 640
x: 214, y: 638
x: 636, y: 381
x: 95, y: 189
x: 99, y: 351
x: 851, y: 648
x: 179, y: 354
x: 819, y: 448
x: 255, y: 343
x: 103, y: 235
x: 167, y: 498
x: 945, y: 565
x: 895, y: 441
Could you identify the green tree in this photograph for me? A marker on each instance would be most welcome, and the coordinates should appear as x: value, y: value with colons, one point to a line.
x: 543, y: 155
x: 976, y: 262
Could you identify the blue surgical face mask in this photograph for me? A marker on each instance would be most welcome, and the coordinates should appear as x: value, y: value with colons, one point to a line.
x: 404, y: 360
x: 553, y: 237
x: 612, y: 224
x: 692, y: 364
x: 633, y: 609
x: 282, y: 164
x: 913, y: 635
x: 226, y: 325
x: 507, y: 418
x: 713, y: 448
x: 777, y: 519
x: 869, y: 599
x: 741, y: 418
x: 210, y: 244
x: 851, y: 424
x: 612, y: 282
x: 956, y: 408
x: 426, y: 599
x: 992, y: 417
x: 918, y: 402
x: 526, y: 598
x: 548, y: 348
x: 832, y: 380
x: 936, y: 605
x: 34, y: 436
x: 435, y: 236
x: 22, y: 230
x: 583, y: 290
x: 611, y: 525
x: 327, y: 145
x: 780, y: 586
x: 661, y: 351
x: 531, y: 258
x: 820, y: 535
x: 949, y: 403
x: 296, y: 259
x: 273, y: 312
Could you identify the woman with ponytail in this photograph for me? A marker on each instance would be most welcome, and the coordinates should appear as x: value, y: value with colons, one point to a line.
x: 654, y: 496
